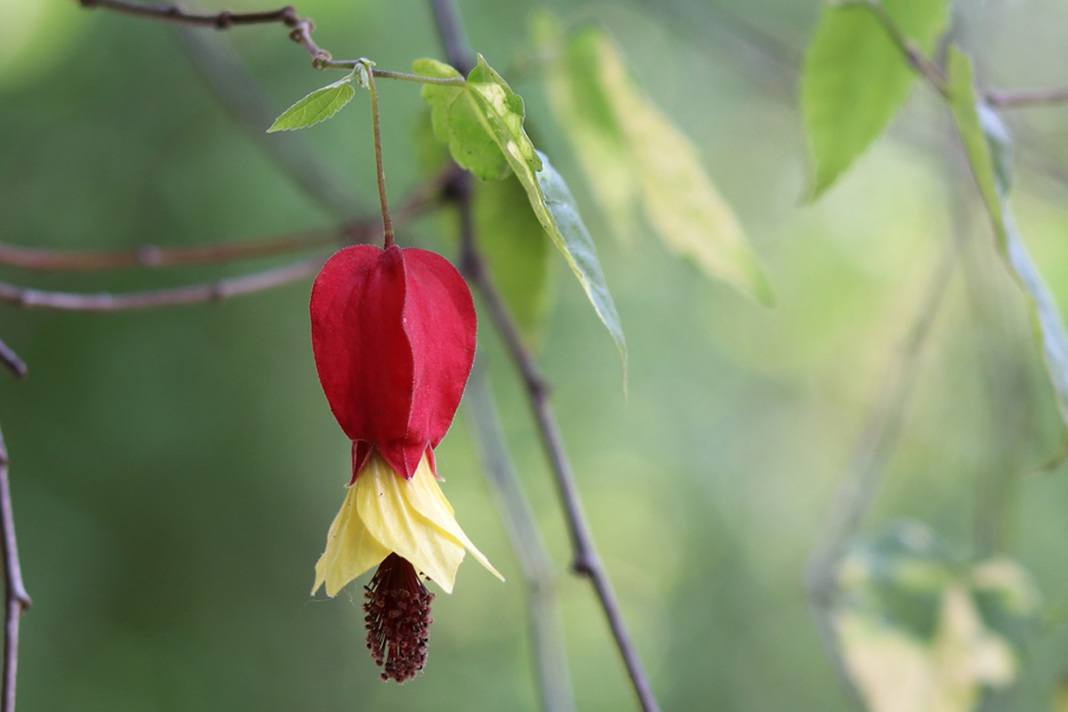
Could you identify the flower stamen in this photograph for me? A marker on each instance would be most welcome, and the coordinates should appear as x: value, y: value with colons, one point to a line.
x: 397, y: 614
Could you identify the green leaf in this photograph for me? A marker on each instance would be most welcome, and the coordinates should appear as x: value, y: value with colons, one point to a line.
x: 516, y: 249
x: 455, y: 120
x: 986, y: 143
x: 855, y: 78
x: 631, y: 152
x: 316, y: 107
x: 500, y: 114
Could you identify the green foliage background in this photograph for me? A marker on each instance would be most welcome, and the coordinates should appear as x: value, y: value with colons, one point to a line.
x: 175, y: 471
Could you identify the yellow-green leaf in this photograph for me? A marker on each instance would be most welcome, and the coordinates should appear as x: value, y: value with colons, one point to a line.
x: 923, y: 630
x: 632, y: 154
x: 455, y: 122
x: 855, y: 78
x: 316, y: 107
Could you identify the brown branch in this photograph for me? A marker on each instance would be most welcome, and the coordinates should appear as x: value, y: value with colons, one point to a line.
x: 11, y: 360
x: 14, y: 589
x: 585, y: 559
x: 300, y: 32
x: 151, y: 256
x: 1027, y: 97
x: 546, y: 637
x: 175, y: 296
x: 300, y: 28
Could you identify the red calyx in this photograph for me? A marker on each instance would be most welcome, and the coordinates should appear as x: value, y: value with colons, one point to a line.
x: 393, y: 333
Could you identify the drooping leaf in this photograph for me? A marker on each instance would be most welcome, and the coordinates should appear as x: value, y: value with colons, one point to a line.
x: 516, y: 249
x: 316, y: 107
x: 986, y: 142
x: 631, y: 152
x: 855, y: 79
x: 577, y: 97
x: 500, y: 113
x: 922, y: 629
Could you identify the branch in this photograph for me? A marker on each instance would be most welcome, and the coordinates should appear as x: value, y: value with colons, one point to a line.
x: 864, y: 472
x: 547, y: 643
x: 14, y: 590
x: 586, y: 561
x: 300, y: 32
x: 190, y: 294
x: 11, y: 360
x: 300, y: 28
x: 151, y: 256
x: 1027, y: 97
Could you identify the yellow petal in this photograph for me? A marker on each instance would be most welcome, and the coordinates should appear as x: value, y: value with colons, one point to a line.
x: 386, y: 513
x: 350, y: 549
x: 425, y: 496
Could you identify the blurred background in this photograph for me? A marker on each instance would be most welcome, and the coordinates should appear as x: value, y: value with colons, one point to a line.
x: 175, y: 471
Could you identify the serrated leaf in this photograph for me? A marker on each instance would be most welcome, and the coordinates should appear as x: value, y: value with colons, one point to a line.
x: 631, y: 151
x: 855, y: 79
x: 986, y: 144
x: 516, y: 250
x: 316, y: 107
x: 500, y: 113
x: 456, y: 123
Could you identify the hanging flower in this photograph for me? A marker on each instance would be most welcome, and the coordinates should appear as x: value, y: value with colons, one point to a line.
x: 393, y: 332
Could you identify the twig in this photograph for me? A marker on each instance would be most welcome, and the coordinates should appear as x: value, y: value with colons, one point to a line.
x: 190, y: 294
x: 585, y: 559
x: 300, y: 32
x: 151, y: 256
x: 1027, y: 97
x: 14, y: 589
x: 547, y: 643
x: 11, y: 360
x: 862, y: 475
x: 300, y: 28
x: 422, y: 198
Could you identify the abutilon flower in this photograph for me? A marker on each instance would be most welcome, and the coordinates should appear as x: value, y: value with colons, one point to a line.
x: 393, y: 332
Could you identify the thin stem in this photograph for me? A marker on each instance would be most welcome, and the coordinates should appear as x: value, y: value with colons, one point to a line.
x: 1027, y: 97
x: 365, y: 230
x: 175, y: 296
x: 15, y: 590
x: 864, y: 472
x: 380, y: 173
x: 586, y: 561
x: 12, y: 361
x: 409, y: 77
x: 300, y: 28
x: 349, y: 64
x: 546, y: 636
x: 152, y: 256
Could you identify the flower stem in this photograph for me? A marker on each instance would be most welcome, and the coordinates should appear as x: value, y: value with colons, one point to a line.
x: 376, y: 129
x: 392, y: 74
